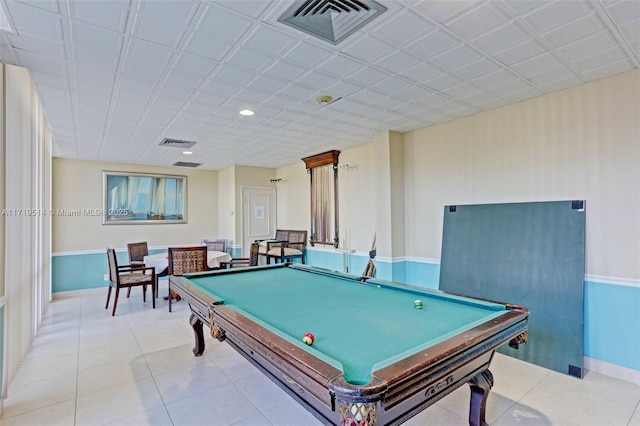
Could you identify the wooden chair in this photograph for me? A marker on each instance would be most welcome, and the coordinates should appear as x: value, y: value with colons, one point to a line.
x: 215, y: 245
x: 252, y: 260
x: 129, y: 276
x: 184, y: 260
x: 282, y: 236
x: 293, y: 248
x: 137, y: 252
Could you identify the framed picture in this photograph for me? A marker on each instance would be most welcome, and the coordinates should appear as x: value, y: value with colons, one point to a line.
x: 140, y: 198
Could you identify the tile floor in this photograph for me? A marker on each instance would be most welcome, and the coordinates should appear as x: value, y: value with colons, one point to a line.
x: 88, y: 368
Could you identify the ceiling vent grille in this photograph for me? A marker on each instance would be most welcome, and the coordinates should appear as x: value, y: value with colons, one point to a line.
x: 186, y: 164
x: 331, y: 20
x: 176, y: 143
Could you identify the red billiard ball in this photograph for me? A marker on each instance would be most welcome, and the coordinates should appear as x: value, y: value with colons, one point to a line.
x: 308, y: 339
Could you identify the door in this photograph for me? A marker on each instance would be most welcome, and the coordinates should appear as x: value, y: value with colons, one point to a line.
x: 258, y: 215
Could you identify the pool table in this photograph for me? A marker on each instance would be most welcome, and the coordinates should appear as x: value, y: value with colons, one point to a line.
x: 377, y: 357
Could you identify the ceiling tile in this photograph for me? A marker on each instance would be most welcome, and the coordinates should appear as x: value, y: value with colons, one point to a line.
x: 432, y: 44
x: 111, y: 14
x: 45, y: 47
x: 249, y: 60
x: 441, y: 11
x: 392, y: 85
x: 147, y: 25
x: 421, y: 72
x: 233, y: 75
x: 587, y: 46
x: 369, y: 49
x: 367, y: 76
x: 574, y: 31
x: 397, y: 62
x: 456, y: 57
x: 220, y: 24
x: 599, y: 59
x: 270, y: 41
x: 520, y: 52
x: 146, y: 60
x: 442, y: 82
x: 477, y: 20
x: 403, y: 28
x: 341, y: 65
x: 35, y: 21
x: 623, y: 11
x: 501, y: 38
x: 190, y: 71
x: 494, y: 79
x: 306, y: 54
x: 202, y: 45
x: 536, y: 64
x: 556, y: 14
x: 40, y: 63
x: 476, y: 69
x: 316, y: 79
x: 341, y: 89
x: 267, y: 84
x: 285, y: 71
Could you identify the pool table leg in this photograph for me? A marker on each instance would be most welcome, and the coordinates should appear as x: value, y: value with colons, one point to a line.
x: 195, y: 322
x: 480, y: 386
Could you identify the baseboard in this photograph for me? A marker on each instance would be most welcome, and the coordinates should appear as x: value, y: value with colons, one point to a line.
x: 612, y: 370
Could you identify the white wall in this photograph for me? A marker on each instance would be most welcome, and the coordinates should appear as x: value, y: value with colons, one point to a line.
x: 580, y: 143
x: 77, y: 185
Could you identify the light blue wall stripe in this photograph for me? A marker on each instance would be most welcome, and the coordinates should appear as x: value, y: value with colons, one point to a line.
x: 612, y: 317
x: 82, y: 271
x: 612, y: 323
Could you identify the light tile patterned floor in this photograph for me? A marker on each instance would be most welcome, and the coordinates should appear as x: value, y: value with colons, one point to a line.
x: 137, y: 368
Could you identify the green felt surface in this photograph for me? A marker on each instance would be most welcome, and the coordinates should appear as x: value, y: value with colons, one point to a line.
x: 361, y: 327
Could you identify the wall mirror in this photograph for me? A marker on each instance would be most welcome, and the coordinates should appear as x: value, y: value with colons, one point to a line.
x: 323, y: 171
x: 138, y: 198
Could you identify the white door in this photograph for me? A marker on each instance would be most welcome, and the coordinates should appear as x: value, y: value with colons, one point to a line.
x: 258, y: 215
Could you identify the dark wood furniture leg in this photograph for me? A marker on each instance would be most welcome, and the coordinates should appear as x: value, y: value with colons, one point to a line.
x: 195, y: 322
x: 480, y: 386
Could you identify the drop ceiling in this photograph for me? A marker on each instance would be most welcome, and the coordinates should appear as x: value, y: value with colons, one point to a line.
x: 117, y: 77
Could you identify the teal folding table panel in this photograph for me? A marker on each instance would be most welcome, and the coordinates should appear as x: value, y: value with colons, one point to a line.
x: 530, y: 254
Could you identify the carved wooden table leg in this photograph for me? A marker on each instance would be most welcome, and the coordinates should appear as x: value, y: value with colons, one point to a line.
x: 195, y: 322
x: 480, y: 386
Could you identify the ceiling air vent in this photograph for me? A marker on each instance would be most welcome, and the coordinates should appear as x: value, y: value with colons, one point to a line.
x: 176, y: 143
x: 331, y: 20
x: 186, y: 164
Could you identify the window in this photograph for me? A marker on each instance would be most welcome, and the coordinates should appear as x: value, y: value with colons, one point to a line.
x: 323, y: 171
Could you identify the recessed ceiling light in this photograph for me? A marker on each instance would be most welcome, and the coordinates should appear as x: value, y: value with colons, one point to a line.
x: 246, y: 112
x: 187, y: 152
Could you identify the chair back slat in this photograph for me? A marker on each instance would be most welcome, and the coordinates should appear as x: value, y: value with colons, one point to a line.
x: 137, y: 251
x: 184, y: 260
x: 215, y: 245
x: 253, y: 254
x: 113, y: 265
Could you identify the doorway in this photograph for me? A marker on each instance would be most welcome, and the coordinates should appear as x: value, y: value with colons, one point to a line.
x: 258, y: 215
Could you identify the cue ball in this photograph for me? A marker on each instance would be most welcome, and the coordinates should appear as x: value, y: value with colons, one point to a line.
x: 308, y: 339
x: 417, y: 304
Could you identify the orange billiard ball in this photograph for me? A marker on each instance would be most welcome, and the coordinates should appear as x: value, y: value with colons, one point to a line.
x: 308, y: 339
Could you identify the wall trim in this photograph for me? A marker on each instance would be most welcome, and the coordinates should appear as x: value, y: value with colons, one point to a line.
x: 2, y: 301
x: 118, y: 249
x: 612, y: 370
x: 627, y: 282
x: 600, y: 279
